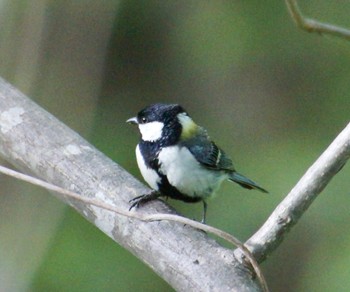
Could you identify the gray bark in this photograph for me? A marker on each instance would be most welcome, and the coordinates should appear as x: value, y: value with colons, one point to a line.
x: 38, y: 144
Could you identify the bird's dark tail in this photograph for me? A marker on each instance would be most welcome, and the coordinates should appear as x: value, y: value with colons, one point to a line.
x: 245, y: 182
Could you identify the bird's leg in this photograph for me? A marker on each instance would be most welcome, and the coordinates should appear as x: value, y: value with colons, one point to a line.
x: 140, y: 200
x: 204, y: 212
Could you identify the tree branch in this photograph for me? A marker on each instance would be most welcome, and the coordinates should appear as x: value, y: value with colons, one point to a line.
x: 183, y: 256
x: 289, y: 211
x: 311, y: 25
x: 37, y: 143
x: 149, y: 218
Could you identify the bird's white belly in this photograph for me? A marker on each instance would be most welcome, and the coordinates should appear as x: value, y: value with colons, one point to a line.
x: 186, y: 174
x: 149, y: 175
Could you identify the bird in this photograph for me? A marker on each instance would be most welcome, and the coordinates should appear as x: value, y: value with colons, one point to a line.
x: 178, y: 159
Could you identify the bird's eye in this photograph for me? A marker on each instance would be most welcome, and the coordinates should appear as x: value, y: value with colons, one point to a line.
x: 143, y: 120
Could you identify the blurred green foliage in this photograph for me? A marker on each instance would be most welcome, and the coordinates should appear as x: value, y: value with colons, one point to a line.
x: 271, y: 95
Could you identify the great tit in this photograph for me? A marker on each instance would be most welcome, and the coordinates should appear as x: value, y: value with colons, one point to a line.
x: 178, y: 159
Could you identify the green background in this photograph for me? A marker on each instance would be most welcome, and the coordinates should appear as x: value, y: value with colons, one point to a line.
x: 271, y: 95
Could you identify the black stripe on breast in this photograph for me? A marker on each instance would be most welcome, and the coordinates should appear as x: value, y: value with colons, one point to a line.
x: 167, y: 190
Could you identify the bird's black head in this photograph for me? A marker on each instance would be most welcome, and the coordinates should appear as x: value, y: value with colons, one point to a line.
x: 160, y: 122
x: 159, y: 112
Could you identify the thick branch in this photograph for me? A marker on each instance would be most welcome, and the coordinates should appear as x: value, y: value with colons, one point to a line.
x: 311, y: 25
x: 37, y: 143
x: 288, y: 212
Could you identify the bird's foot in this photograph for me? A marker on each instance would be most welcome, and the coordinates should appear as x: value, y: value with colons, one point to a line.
x: 204, y: 218
x: 140, y: 200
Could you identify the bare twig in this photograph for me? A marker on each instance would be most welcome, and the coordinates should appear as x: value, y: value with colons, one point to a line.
x: 143, y: 217
x: 288, y: 212
x: 311, y: 25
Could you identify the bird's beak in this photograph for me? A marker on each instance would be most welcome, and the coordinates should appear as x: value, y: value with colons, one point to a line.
x: 132, y: 121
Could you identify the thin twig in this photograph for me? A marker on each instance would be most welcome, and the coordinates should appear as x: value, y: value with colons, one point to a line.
x: 143, y: 217
x: 289, y: 211
x: 311, y: 25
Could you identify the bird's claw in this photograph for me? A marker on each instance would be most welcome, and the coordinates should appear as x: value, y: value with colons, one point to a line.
x: 135, y: 202
x: 140, y: 200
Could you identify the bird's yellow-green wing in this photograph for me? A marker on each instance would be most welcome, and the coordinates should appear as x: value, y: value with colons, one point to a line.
x: 207, y: 152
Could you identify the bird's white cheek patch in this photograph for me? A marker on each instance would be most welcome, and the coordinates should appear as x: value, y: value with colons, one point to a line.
x: 151, y: 131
